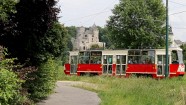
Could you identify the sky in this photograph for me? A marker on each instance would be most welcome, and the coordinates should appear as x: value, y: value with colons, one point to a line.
x: 88, y: 12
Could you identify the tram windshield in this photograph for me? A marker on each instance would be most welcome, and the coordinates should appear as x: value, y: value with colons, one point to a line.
x: 180, y: 57
x: 95, y: 57
x: 84, y: 57
x: 177, y: 57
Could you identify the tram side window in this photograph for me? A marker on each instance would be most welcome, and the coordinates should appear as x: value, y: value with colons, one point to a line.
x: 174, y: 56
x: 121, y: 59
x: 107, y: 59
x: 143, y: 57
x: 148, y: 57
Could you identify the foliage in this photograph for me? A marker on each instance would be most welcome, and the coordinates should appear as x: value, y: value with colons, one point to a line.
x: 71, y: 34
x: 44, y: 80
x: 95, y: 47
x: 33, y: 36
x: 11, y: 80
x: 103, y: 36
x: 137, y: 24
x: 33, y: 19
x: 9, y: 86
x: 54, y: 43
x: 7, y: 7
x: 72, y: 31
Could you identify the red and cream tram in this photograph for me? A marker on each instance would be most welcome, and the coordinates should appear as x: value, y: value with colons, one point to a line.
x: 148, y: 62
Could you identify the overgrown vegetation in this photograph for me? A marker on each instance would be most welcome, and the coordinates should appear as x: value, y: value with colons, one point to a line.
x: 30, y: 30
x: 11, y: 90
x: 9, y: 87
x: 135, y: 91
x: 7, y: 8
x: 44, y: 81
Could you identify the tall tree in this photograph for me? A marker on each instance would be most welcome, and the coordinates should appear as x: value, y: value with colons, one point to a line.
x: 6, y: 7
x: 71, y: 34
x: 71, y: 31
x: 103, y: 36
x: 34, y: 18
x: 137, y: 23
x: 54, y: 42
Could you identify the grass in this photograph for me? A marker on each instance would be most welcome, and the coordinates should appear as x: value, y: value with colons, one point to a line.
x: 135, y: 91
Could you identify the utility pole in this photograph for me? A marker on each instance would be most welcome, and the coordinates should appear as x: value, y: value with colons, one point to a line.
x: 167, y: 43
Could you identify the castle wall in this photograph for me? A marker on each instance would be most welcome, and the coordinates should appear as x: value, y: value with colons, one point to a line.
x: 86, y: 37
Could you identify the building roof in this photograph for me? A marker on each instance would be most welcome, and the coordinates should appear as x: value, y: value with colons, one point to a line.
x: 179, y: 42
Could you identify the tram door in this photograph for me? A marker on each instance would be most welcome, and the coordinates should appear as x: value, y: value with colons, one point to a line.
x: 107, y: 64
x: 73, y: 64
x: 161, y: 65
x: 120, y: 64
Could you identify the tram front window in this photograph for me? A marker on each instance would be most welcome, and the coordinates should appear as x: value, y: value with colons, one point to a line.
x: 73, y: 59
x: 177, y: 57
x: 84, y: 57
x: 174, y: 56
x: 134, y: 56
x: 180, y: 57
x: 96, y: 57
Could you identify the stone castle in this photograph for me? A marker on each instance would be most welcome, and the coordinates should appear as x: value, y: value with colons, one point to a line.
x: 86, y: 37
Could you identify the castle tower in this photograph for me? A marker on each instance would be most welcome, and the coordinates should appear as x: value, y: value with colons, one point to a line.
x: 95, y: 33
x: 86, y: 37
x: 171, y: 37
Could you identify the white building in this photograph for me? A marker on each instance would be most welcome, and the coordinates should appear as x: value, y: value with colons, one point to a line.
x: 86, y: 37
x: 174, y: 43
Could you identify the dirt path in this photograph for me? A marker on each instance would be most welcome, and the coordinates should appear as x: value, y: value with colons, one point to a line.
x: 65, y: 94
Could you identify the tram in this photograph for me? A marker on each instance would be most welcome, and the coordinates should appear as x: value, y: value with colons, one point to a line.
x: 146, y: 62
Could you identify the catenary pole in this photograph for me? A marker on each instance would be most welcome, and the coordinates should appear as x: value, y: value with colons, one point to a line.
x: 167, y: 43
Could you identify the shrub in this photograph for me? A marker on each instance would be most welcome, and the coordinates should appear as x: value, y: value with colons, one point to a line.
x: 44, y: 82
x: 11, y: 79
x: 9, y: 88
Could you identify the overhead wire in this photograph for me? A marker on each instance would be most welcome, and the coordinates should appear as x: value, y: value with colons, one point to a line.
x: 177, y: 3
x: 182, y: 28
x: 179, y: 28
x: 177, y: 13
x: 98, y: 13
x: 87, y: 16
x: 93, y: 16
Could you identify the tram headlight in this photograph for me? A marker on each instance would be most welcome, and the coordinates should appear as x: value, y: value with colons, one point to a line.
x: 181, y: 68
x: 64, y: 68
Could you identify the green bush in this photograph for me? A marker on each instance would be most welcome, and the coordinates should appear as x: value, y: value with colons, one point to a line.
x: 9, y: 88
x: 44, y: 81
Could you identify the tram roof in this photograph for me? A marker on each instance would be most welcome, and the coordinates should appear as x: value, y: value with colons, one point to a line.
x: 125, y: 51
